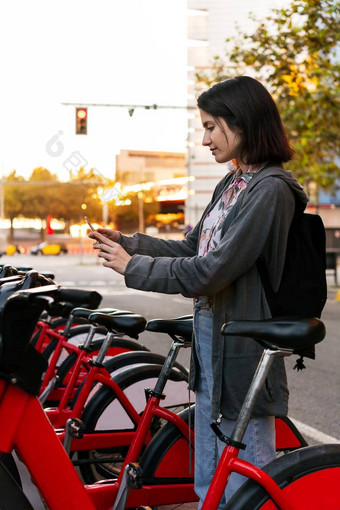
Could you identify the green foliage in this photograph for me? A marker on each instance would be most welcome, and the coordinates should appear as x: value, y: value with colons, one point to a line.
x: 295, y: 52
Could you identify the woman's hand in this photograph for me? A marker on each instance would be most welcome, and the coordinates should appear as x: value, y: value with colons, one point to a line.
x: 113, y: 253
x: 113, y: 235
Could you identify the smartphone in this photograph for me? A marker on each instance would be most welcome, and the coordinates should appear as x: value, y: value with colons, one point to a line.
x: 90, y: 224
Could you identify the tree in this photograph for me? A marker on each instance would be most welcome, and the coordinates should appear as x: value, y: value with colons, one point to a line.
x: 14, y: 197
x: 40, y: 198
x: 127, y: 217
x: 295, y: 53
x: 83, y: 187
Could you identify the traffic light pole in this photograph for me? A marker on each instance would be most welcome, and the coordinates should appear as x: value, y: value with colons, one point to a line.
x: 132, y: 107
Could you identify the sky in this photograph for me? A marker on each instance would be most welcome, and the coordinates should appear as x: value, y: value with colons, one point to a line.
x: 81, y: 51
x: 85, y: 51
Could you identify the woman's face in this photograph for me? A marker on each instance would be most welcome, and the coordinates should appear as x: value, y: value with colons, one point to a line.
x: 223, y: 143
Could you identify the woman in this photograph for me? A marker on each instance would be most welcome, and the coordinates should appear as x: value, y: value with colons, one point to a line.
x: 248, y: 217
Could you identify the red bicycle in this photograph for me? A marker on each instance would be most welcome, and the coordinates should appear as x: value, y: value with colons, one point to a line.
x: 308, y: 478
x: 22, y: 419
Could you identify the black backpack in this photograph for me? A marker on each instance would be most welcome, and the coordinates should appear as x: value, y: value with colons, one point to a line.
x: 303, y: 288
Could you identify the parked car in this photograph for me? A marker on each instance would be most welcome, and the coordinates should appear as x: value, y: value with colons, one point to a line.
x: 48, y: 249
x: 11, y: 249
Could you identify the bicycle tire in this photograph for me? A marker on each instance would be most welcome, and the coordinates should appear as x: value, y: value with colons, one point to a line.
x: 135, y: 358
x: 167, y: 458
x: 8, y: 461
x: 126, y: 359
x: 11, y: 494
x: 93, y: 470
x: 310, y: 476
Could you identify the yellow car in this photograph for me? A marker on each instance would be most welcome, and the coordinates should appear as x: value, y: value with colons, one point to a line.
x: 48, y: 249
x: 11, y: 249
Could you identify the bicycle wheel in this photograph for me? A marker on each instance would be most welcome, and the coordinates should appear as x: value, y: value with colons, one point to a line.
x: 168, y: 458
x: 105, y: 413
x: 11, y: 494
x: 310, y: 477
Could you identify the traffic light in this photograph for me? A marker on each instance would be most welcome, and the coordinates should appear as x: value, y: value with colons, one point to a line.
x: 81, y: 121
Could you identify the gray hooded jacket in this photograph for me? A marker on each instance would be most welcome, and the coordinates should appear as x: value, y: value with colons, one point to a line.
x: 257, y: 225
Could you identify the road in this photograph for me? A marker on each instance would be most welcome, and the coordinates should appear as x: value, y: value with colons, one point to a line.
x: 314, y: 392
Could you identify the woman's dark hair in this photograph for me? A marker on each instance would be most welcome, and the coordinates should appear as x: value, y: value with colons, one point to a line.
x: 248, y: 109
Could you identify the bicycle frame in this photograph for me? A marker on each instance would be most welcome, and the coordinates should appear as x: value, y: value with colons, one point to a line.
x: 229, y: 463
x: 45, y: 332
x: 62, y: 343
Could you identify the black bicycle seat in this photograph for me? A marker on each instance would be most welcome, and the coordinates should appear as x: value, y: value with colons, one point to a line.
x: 130, y: 324
x: 7, y: 270
x: 286, y: 332
x: 45, y: 274
x: 181, y: 326
x: 84, y: 313
x: 10, y: 279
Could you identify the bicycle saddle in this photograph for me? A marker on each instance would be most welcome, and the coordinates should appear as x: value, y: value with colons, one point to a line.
x: 6, y: 270
x: 84, y: 313
x: 288, y: 333
x: 182, y: 326
x: 130, y: 324
x: 9, y: 279
x: 45, y: 274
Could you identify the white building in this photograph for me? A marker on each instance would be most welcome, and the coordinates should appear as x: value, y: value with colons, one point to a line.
x: 210, y: 23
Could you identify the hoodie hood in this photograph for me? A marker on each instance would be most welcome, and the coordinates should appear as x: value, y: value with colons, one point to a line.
x: 278, y: 171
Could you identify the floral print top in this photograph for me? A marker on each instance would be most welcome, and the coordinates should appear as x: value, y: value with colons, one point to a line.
x: 212, y: 225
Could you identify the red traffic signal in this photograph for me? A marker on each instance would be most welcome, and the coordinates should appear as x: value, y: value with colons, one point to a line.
x: 81, y: 121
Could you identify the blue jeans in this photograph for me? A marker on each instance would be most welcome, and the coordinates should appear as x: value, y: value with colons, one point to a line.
x: 260, y: 433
